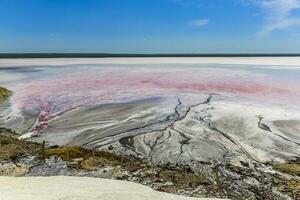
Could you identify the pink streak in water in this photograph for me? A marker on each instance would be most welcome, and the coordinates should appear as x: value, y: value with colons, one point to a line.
x: 54, y: 96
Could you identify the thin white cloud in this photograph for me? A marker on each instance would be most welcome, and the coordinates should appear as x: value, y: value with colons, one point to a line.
x: 278, y: 14
x: 199, y: 22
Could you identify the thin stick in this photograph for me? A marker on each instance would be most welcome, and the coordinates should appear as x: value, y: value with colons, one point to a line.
x: 94, y: 157
x: 43, y: 151
x: 67, y: 154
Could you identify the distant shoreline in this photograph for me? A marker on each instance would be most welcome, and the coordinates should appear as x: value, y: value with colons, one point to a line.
x: 121, y: 55
x: 273, y: 62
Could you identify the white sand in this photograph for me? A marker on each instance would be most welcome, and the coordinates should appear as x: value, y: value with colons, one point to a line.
x: 293, y: 62
x: 77, y: 188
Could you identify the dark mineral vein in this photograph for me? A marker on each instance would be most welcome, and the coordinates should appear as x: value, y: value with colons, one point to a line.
x: 183, y: 142
x: 267, y: 128
x: 170, y: 118
x: 227, y: 136
x: 153, y: 145
x: 231, y: 139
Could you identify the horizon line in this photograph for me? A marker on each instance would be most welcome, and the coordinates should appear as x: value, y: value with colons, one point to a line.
x: 124, y: 55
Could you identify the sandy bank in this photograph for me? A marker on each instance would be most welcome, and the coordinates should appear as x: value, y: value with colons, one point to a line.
x: 63, y: 188
x: 293, y: 62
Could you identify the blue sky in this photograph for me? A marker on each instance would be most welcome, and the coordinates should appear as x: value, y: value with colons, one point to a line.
x: 150, y: 26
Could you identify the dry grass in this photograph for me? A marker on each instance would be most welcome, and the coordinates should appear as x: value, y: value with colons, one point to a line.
x: 12, y: 148
x: 4, y: 93
x: 87, y: 159
x: 102, y: 160
x: 79, y: 157
x: 288, y: 168
x: 67, y: 153
x: 181, y: 179
x: 290, y: 187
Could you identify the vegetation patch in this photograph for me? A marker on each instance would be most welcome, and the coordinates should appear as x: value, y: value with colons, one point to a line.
x: 98, y: 161
x: 4, y: 93
x: 88, y: 159
x: 179, y: 177
x: 171, y: 178
x: 12, y: 148
x: 288, y: 168
x: 290, y: 187
x: 181, y: 180
x: 67, y: 153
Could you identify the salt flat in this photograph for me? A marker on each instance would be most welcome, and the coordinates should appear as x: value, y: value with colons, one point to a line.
x: 267, y: 61
x: 159, y: 109
x: 81, y: 188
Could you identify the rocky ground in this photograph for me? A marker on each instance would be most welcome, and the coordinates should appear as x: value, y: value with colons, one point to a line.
x: 247, y: 181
